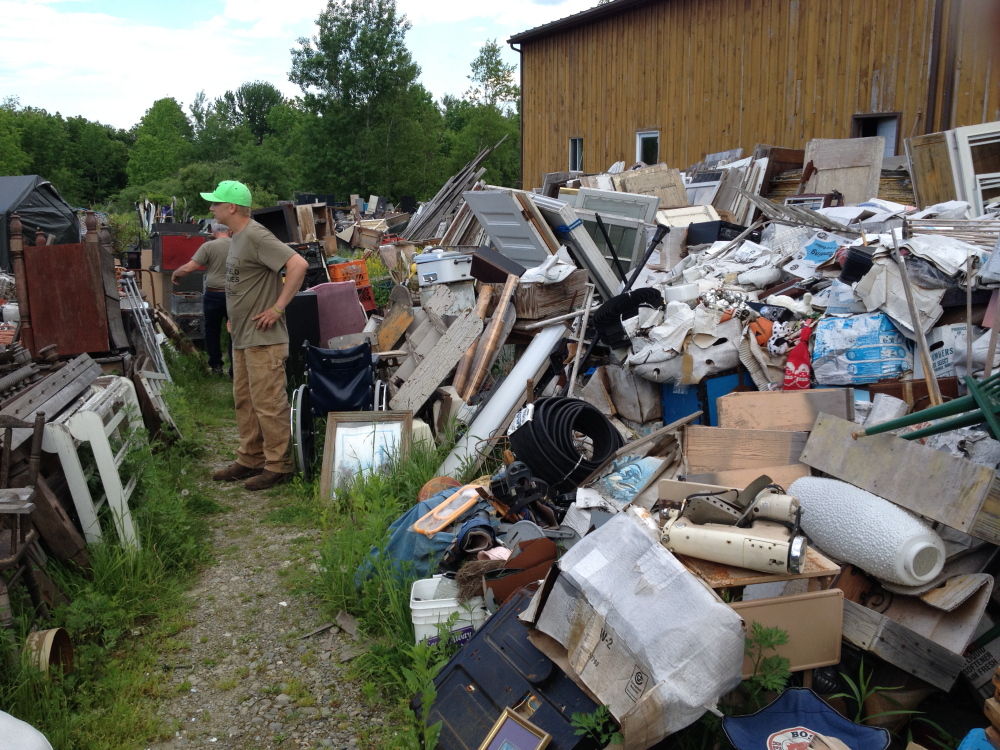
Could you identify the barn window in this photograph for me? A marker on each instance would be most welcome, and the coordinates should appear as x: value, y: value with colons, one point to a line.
x: 880, y: 123
x: 647, y: 146
x: 576, y: 154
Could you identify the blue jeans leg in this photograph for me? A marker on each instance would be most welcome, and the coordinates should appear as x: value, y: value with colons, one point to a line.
x: 215, y: 313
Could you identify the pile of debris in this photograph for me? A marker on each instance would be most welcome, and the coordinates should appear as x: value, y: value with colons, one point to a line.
x: 698, y: 412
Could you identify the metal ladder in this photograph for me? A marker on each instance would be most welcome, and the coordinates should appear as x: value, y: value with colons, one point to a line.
x: 145, y: 323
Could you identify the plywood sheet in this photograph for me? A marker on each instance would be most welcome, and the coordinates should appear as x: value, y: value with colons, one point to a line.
x: 851, y: 165
x: 942, y: 487
x: 710, y: 449
x: 659, y: 180
x: 812, y: 621
x: 783, y: 410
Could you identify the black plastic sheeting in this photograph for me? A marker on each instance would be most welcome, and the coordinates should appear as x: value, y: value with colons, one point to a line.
x: 39, y: 206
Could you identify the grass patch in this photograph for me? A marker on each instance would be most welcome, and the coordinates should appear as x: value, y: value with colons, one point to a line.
x: 124, y: 615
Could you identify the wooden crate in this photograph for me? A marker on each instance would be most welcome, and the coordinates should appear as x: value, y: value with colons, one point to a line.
x: 539, y: 301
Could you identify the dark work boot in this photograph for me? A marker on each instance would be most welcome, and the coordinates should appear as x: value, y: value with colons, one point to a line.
x: 266, y: 479
x: 233, y: 472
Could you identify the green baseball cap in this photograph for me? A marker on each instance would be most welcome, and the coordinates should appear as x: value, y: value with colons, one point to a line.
x: 229, y: 191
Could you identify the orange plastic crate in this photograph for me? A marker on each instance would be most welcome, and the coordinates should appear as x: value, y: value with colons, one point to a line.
x: 352, y: 270
x: 367, y: 297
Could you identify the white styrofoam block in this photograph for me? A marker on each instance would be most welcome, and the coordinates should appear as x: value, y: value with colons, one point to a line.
x: 851, y: 524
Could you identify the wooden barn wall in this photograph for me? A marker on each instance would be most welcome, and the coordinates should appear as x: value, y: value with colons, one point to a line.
x: 712, y: 75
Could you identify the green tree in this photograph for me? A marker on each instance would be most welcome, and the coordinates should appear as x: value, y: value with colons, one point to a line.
x: 492, y: 78
x: 162, y: 144
x: 250, y: 105
x: 370, y: 125
x: 13, y: 159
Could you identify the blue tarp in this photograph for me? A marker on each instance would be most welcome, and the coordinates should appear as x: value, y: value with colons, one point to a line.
x: 414, y: 554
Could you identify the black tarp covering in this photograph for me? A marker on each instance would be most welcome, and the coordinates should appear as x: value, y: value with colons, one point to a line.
x: 39, y: 206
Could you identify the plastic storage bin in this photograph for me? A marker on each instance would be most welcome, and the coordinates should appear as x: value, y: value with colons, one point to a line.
x: 434, y: 600
x: 186, y: 303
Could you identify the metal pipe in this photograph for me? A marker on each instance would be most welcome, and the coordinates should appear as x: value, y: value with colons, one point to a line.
x: 558, y: 319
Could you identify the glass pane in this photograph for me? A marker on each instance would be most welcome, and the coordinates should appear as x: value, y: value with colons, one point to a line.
x: 649, y: 149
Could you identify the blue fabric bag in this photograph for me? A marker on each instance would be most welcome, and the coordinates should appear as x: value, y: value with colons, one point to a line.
x: 791, y: 721
x: 414, y: 554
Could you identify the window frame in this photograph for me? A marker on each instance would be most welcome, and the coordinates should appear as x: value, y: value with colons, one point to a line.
x: 578, y: 141
x: 641, y: 135
x: 859, y: 119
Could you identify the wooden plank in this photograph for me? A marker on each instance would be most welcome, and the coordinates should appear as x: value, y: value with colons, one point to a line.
x: 61, y: 537
x: 307, y: 224
x: 719, y: 576
x: 783, y: 410
x: 393, y: 326
x: 710, y: 449
x: 930, y: 169
x: 911, y: 652
x: 813, y: 623
x: 740, y: 478
x: 432, y: 371
x: 991, y: 709
x: 942, y: 487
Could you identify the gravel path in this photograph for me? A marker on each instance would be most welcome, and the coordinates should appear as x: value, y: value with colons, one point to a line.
x: 245, y: 676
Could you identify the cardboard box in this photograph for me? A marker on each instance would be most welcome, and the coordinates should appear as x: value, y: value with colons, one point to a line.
x: 943, y: 342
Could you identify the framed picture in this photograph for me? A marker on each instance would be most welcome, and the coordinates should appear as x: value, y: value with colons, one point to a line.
x: 514, y: 732
x: 362, y: 441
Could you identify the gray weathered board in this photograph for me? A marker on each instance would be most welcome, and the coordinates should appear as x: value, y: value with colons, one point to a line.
x: 945, y: 488
x: 898, y: 645
x: 432, y: 371
x: 711, y: 449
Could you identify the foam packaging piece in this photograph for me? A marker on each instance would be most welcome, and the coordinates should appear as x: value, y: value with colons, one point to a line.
x: 851, y: 524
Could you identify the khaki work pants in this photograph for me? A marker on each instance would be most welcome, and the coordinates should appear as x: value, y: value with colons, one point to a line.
x: 262, y: 409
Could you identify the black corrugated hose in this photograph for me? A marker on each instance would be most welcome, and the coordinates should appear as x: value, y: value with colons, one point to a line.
x: 546, y: 444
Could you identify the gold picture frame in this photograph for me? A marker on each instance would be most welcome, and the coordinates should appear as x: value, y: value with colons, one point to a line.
x: 513, y: 732
x: 361, y: 441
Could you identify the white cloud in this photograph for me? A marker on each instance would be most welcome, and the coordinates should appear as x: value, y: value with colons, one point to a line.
x: 111, y: 69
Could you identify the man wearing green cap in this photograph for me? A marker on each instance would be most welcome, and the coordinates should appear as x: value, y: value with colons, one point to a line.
x: 255, y: 302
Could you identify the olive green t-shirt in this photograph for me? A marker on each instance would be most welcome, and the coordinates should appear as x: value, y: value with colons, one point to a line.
x: 253, y: 284
x: 212, y: 255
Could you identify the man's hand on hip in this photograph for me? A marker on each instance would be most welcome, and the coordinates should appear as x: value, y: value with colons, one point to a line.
x: 266, y: 319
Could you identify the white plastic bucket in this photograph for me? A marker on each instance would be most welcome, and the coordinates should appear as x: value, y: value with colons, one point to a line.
x: 434, y: 600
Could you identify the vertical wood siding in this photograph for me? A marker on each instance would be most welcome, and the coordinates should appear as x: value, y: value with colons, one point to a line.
x: 712, y: 75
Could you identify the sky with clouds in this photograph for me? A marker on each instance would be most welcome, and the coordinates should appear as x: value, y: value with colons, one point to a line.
x: 109, y: 60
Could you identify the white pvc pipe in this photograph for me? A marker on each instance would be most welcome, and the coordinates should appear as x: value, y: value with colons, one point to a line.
x: 496, y: 415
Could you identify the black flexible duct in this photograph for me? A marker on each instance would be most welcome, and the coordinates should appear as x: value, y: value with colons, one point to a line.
x: 546, y: 445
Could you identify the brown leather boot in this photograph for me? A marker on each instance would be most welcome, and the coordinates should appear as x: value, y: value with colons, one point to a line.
x: 233, y: 472
x: 266, y: 479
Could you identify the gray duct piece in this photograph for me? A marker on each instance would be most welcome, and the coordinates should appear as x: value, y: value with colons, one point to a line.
x: 887, y: 541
